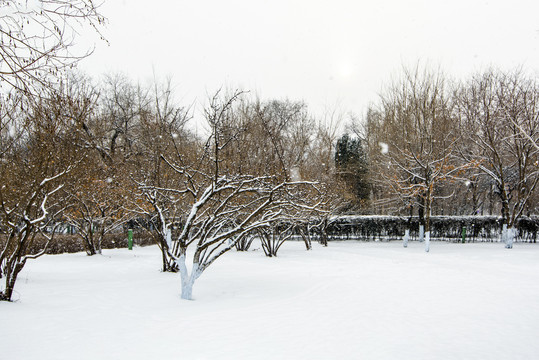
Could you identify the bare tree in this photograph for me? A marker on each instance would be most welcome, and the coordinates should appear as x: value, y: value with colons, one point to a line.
x: 225, y: 205
x: 162, y: 133
x: 36, y: 42
x: 383, y: 200
x: 320, y: 163
x: 35, y: 158
x: 98, y: 207
x: 276, y: 134
x: 274, y: 236
x: 244, y: 243
x: 417, y: 133
x: 97, y: 188
x: 37, y: 38
x: 499, y: 115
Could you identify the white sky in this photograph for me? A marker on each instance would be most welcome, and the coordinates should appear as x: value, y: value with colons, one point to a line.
x: 331, y: 54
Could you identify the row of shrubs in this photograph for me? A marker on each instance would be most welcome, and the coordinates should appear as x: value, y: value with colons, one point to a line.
x: 66, y: 243
x: 369, y: 228
x: 448, y: 228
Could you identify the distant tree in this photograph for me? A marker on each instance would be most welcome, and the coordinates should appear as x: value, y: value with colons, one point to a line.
x: 417, y: 135
x: 35, y: 157
x: 283, y: 139
x: 383, y: 199
x: 96, y: 188
x: 499, y: 116
x: 277, y: 134
x: 117, y: 108
x: 320, y: 164
x: 274, y: 236
x: 98, y: 207
x: 161, y: 135
x: 351, y: 164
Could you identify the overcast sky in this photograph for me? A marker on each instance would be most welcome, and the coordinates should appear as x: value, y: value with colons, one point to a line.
x: 336, y: 53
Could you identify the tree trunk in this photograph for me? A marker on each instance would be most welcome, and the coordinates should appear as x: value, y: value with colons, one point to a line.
x: 11, y: 272
x: 475, y: 199
x: 428, y: 203
x: 187, y: 280
x: 271, y: 243
x: 88, y: 241
x: 169, y: 265
x: 265, y: 241
x: 507, y: 231
x: 406, y: 237
x: 187, y: 288
x: 305, y: 236
x: 244, y: 243
x: 323, y: 233
x: 408, y: 225
x: 511, y: 232
x: 491, y: 201
x: 88, y: 245
x: 100, y: 239
x: 427, y: 241
x: 508, y: 236
x: 421, y: 216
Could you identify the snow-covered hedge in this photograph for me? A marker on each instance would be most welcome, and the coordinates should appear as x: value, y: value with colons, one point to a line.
x: 64, y: 243
x: 448, y: 228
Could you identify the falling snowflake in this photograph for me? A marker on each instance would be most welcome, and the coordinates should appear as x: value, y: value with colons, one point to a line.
x: 384, y: 148
x: 294, y: 174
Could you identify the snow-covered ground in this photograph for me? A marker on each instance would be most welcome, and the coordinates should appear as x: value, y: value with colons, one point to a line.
x: 351, y: 300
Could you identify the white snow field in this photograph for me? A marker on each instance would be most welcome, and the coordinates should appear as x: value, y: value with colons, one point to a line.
x: 351, y: 300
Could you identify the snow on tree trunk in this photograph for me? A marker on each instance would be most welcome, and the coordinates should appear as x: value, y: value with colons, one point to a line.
x: 187, y: 288
x: 509, y: 236
x: 427, y: 241
x: 187, y: 280
x: 421, y: 233
x: 406, y: 237
x: 504, y: 234
x: 169, y: 238
x: 99, y: 249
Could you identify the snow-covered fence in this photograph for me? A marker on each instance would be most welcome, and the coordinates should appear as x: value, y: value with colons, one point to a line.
x: 445, y: 228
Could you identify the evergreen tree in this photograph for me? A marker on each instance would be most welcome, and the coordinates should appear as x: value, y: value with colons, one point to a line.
x: 351, y: 163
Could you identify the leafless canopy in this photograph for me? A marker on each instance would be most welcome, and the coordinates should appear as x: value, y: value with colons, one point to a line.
x: 37, y: 38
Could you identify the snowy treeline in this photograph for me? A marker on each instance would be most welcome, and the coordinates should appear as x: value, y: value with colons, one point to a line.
x: 436, y: 147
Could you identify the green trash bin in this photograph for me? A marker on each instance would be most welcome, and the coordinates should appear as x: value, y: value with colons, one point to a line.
x: 130, y: 239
